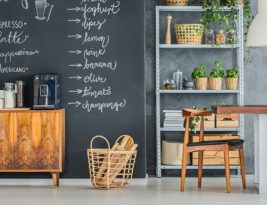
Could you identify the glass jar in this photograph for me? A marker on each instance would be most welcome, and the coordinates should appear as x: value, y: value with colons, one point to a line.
x: 231, y: 37
x: 209, y: 36
x: 167, y: 85
x: 220, y: 37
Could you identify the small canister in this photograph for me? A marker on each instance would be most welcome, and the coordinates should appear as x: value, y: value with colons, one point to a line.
x: 178, y: 79
x: 2, y: 99
x: 20, y: 85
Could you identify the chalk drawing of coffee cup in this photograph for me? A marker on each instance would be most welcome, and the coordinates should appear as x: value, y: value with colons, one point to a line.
x: 41, y: 6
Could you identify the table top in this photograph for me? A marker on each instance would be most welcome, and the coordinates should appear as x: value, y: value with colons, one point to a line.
x: 249, y: 109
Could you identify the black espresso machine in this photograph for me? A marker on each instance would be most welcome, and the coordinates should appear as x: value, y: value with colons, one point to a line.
x: 46, y: 91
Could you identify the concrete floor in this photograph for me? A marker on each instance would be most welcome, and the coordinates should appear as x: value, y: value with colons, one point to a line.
x: 157, y: 191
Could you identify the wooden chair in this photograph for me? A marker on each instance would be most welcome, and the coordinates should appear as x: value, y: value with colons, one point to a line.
x: 223, y: 145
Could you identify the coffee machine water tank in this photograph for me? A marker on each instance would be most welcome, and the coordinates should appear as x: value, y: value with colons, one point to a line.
x: 46, y: 91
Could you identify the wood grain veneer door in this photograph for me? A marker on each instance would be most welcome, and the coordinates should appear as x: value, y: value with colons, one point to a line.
x: 49, y: 153
x: 38, y: 141
x: 24, y: 149
x: 6, y: 141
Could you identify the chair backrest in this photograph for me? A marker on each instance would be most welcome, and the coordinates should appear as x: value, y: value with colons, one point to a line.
x: 189, y: 113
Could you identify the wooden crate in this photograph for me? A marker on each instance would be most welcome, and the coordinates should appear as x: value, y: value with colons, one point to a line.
x: 211, y: 137
x: 227, y: 120
x: 210, y: 118
x: 216, y: 161
x: 227, y: 124
x: 230, y: 116
x: 216, y: 154
x: 207, y: 124
x: 216, y: 157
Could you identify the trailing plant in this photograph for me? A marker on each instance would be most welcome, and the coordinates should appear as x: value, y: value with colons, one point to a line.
x: 232, y: 72
x: 194, y: 121
x: 215, y: 14
x: 199, y: 72
x: 217, y: 71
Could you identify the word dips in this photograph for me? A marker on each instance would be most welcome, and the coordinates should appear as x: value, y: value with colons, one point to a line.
x: 88, y: 24
x: 101, y: 107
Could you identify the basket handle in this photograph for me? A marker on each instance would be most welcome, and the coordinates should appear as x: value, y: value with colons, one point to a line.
x: 120, y: 137
x: 99, y: 137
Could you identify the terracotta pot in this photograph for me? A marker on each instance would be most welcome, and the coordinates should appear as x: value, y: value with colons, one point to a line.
x: 201, y: 83
x: 215, y: 83
x: 231, y: 83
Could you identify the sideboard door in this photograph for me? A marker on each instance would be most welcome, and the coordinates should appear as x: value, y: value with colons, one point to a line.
x: 6, y: 141
x: 38, y: 141
x: 50, y: 147
x: 24, y: 149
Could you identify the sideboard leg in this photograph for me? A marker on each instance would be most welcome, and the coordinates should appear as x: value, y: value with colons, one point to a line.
x: 55, y: 177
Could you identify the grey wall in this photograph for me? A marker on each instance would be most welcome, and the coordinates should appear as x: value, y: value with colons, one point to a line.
x: 255, y: 83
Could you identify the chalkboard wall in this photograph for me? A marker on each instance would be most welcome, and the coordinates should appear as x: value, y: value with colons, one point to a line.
x: 97, y: 47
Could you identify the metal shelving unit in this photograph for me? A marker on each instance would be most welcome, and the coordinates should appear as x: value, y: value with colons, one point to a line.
x: 238, y: 48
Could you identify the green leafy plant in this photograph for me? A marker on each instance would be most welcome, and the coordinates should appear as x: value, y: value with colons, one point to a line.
x: 217, y: 71
x: 232, y: 72
x: 215, y: 15
x: 194, y: 121
x: 199, y: 72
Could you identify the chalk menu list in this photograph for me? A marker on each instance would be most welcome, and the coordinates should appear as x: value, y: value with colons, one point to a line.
x: 91, y: 16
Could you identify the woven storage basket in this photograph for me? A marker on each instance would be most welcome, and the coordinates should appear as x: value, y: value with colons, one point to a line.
x: 176, y: 2
x: 110, y: 169
x: 189, y: 33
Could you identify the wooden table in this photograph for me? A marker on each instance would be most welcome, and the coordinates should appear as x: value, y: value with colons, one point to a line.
x: 260, y: 139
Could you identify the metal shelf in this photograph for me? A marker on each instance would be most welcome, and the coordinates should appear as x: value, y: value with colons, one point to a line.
x: 161, y: 11
x: 199, y: 91
x: 174, y: 129
x: 173, y: 46
x: 196, y: 167
x: 189, y: 8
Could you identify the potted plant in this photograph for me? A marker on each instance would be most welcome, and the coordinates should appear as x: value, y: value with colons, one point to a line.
x: 200, y: 78
x: 231, y: 78
x: 216, y: 76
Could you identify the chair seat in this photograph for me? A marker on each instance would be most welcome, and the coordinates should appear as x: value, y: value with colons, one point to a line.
x: 205, y: 143
x: 235, y: 142
x: 218, y: 142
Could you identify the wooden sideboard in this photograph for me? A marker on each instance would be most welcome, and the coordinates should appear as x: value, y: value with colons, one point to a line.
x: 32, y: 141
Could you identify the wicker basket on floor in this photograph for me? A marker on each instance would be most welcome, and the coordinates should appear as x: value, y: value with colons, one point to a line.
x: 176, y: 2
x: 109, y: 168
x: 189, y: 33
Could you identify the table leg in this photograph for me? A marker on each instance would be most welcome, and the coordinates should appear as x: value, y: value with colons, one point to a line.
x: 256, y: 148
x: 262, y: 153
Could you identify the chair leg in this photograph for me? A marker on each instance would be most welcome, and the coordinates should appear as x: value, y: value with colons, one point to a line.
x: 243, y: 168
x: 227, y: 169
x: 183, y: 174
x: 200, y: 170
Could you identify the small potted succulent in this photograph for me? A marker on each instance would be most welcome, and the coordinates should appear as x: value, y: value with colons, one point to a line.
x: 200, y: 78
x: 231, y: 78
x: 216, y: 76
